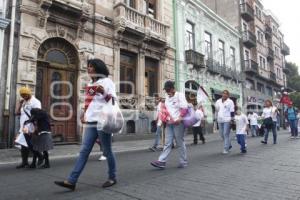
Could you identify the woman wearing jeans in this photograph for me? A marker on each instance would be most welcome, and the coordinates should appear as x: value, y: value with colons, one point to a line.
x: 176, y: 107
x: 100, y: 90
x: 268, y: 115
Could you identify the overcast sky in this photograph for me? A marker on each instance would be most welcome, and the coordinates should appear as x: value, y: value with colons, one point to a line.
x: 288, y: 13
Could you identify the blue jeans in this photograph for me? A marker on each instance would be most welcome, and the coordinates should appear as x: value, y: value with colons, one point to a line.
x: 241, y: 139
x: 157, y: 136
x: 254, y: 130
x: 90, y: 136
x: 274, y: 131
x: 177, y: 132
x: 224, y: 130
x: 294, y: 127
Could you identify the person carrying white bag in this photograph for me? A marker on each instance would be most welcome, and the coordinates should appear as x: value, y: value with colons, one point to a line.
x: 100, y: 96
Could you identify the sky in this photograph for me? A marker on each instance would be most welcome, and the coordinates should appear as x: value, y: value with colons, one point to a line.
x: 288, y: 13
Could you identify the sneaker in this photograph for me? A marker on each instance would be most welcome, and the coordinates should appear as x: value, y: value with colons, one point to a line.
x: 230, y: 147
x: 153, y: 149
x: 292, y: 137
x: 102, y: 158
x: 225, y: 152
x: 244, y: 151
x: 298, y: 137
x: 263, y: 142
x: 182, y: 165
x: 158, y: 164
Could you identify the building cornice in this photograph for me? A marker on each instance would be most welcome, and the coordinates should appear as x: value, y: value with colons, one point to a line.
x: 213, y: 15
x: 4, y: 23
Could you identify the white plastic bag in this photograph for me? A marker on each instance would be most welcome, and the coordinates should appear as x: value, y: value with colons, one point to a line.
x: 110, y: 119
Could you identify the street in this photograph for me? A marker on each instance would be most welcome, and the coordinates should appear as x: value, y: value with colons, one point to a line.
x: 266, y: 172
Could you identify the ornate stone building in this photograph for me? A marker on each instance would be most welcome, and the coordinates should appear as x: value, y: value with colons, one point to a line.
x: 57, y: 37
x: 208, y: 54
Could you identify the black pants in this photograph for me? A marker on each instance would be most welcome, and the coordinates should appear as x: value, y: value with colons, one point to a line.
x: 25, y: 150
x: 198, y: 131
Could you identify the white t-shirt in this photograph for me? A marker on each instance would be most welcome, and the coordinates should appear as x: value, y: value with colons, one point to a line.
x: 174, y: 104
x: 27, y: 106
x: 98, y: 101
x: 224, y: 110
x: 253, y: 119
x: 270, y: 112
x: 199, y: 115
x: 241, y: 124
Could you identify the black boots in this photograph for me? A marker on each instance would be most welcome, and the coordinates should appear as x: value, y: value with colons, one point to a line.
x: 24, y: 155
x: 36, y: 155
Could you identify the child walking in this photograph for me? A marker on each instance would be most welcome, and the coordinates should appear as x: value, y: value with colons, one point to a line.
x: 241, y: 121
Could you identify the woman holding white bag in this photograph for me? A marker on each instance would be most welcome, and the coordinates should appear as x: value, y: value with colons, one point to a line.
x: 99, y: 93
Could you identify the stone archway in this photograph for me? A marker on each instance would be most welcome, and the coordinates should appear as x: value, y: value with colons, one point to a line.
x: 57, y: 73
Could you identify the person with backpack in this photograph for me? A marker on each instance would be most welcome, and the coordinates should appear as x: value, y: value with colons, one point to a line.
x: 26, y: 104
x: 99, y: 93
x: 291, y: 115
x: 176, y: 107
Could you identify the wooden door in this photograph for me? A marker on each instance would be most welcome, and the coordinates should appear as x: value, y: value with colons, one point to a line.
x: 56, y: 89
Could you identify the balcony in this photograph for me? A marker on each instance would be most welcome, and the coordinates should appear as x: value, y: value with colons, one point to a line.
x: 270, y: 56
x: 247, y: 12
x: 249, y: 39
x: 194, y: 58
x: 214, y: 67
x: 273, y: 77
x: 286, y: 70
x: 134, y: 24
x: 285, y: 49
x: 268, y: 32
x: 251, y: 67
x: 77, y: 8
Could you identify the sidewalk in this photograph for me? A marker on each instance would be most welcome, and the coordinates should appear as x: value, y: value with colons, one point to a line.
x: 12, y: 156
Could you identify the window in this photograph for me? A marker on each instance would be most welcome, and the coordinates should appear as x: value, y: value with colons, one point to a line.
x: 127, y: 73
x: 261, y: 88
x: 258, y: 12
x: 276, y: 51
x: 151, y: 77
x: 269, y: 91
x: 151, y: 8
x: 232, y: 57
x: 56, y: 56
x: 221, y: 53
x: 189, y: 36
x: 247, y: 55
x: 208, y: 44
x: 262, y: 62
x: 250, y: 84
x: 260, y: 37
x: 245, y: 27
x: 130, y: 3
x: 191, y: 88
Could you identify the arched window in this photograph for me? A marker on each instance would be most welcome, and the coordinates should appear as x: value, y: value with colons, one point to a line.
x: 56, y: 56
x: 191, y: 88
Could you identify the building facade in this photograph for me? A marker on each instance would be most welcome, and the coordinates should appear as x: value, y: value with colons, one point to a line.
x: 56, y: 37
x: 208, y: 54
x: 262, y: 54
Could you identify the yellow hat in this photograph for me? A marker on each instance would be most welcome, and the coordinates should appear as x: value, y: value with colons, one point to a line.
x: 25, y: 90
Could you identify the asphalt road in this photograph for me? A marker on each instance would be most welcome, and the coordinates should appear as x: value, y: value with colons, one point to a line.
x: 266, y: 172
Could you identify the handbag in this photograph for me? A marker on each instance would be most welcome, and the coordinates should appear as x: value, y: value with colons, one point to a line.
x: 268, y: 122
x: 189, y: 118
x: 111, y: 119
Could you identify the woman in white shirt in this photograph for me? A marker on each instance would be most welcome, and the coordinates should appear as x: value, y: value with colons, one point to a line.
x: 176, y: 108
x: 269, y: 122
x: 99, y: 92
x: 197, y: 128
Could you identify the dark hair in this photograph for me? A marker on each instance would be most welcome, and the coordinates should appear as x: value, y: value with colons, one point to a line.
x: 169, y: 85
x: 100, y: 67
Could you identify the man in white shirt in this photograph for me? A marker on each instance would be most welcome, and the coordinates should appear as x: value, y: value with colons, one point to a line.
x: 197, y: 128
x: 225, y: 115
x: 253, y: 117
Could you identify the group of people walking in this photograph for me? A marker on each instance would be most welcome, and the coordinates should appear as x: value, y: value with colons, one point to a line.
x: 171, y: 117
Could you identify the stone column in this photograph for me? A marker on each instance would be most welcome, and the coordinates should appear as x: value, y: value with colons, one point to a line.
x: 140, y: 83
x: 161, y: 75
x: 116, y: 69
